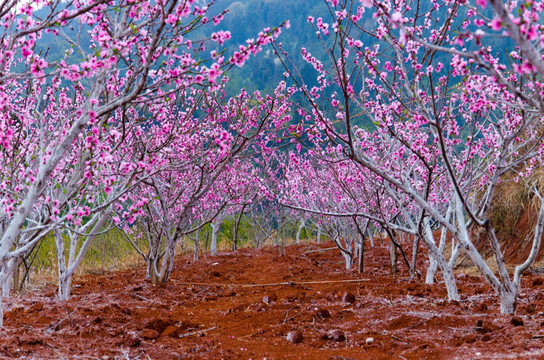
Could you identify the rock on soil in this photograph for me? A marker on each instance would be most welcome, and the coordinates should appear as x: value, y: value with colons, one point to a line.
x: 294, y: 336
x: 322, y: 313
x: 348, y: 298
x: 268, y: 298
x: 336, y: 335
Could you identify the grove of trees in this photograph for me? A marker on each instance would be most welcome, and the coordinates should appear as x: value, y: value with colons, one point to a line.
x: 406, y: 120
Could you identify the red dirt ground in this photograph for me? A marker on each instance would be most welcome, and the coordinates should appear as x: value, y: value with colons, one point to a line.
x: 121, y: 316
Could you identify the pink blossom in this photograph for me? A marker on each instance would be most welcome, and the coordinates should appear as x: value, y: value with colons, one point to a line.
x: 213, y: 73
x: 396, y: 17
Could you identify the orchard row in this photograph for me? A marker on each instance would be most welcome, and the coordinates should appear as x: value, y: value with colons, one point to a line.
x: 415, y: 116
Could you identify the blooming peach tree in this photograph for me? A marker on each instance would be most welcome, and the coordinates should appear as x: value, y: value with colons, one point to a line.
x: 71, y: 117
x: 421, y: 97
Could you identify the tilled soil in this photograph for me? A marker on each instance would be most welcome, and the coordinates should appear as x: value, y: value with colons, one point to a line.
x: 256, y: 304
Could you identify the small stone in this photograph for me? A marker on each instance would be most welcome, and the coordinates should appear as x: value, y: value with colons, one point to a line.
x: 348, y: 298
x: 336, y: 335
x: 322, y: 313
x: 268, y: 298
x: 150, y: 334
x: 294, y: 336
x: 369, y: 341
x: 239, y: 308
x: 130, y: 341
x: 517, y: 321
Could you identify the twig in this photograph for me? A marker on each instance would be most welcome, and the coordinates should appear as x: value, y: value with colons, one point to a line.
x: 198, y: 332
x: 419, y: 323
x: 51, y: 327
x: 318, y: 250
x: 200, y: 292
x: 399, y: 339
x: 458, y: 329
x: 287, y: 317
x: 288, y: 283
x: 246, y: 337
x: 142, y: 297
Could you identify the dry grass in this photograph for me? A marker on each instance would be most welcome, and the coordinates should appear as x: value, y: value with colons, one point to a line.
x: 512, y: 200
x: 129, y: 259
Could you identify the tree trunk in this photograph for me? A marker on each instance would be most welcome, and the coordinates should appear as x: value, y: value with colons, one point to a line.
x: 349, y: 260
x: 169, y: 263
x: 415, y: 250
x: 447, y: 270
x: 361, y: 254
x: 216, y: 226
x: 158, y: 268
x: 65, y: 287
x: 431, y: 270
x: 433, y: 264
x: 16, y: 278
x: 236, y: 228
x: 64, y: 292
x: 67, y: 269
x: 393, y: 255
x: 509, y: 300
x: 197, y: 242
x: 301, y: 226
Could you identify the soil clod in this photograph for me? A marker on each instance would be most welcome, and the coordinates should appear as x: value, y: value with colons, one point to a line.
x: 322, y: 313
x: 159, y: 325
x: 235, y: 317
x: 150, y: 334
x: 516, y: 321
x: 485, y: 326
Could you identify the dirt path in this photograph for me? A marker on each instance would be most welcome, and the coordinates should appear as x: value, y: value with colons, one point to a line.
x: 210, y: 310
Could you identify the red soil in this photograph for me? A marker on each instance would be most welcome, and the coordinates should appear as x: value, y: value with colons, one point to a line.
x: 119, y: 315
